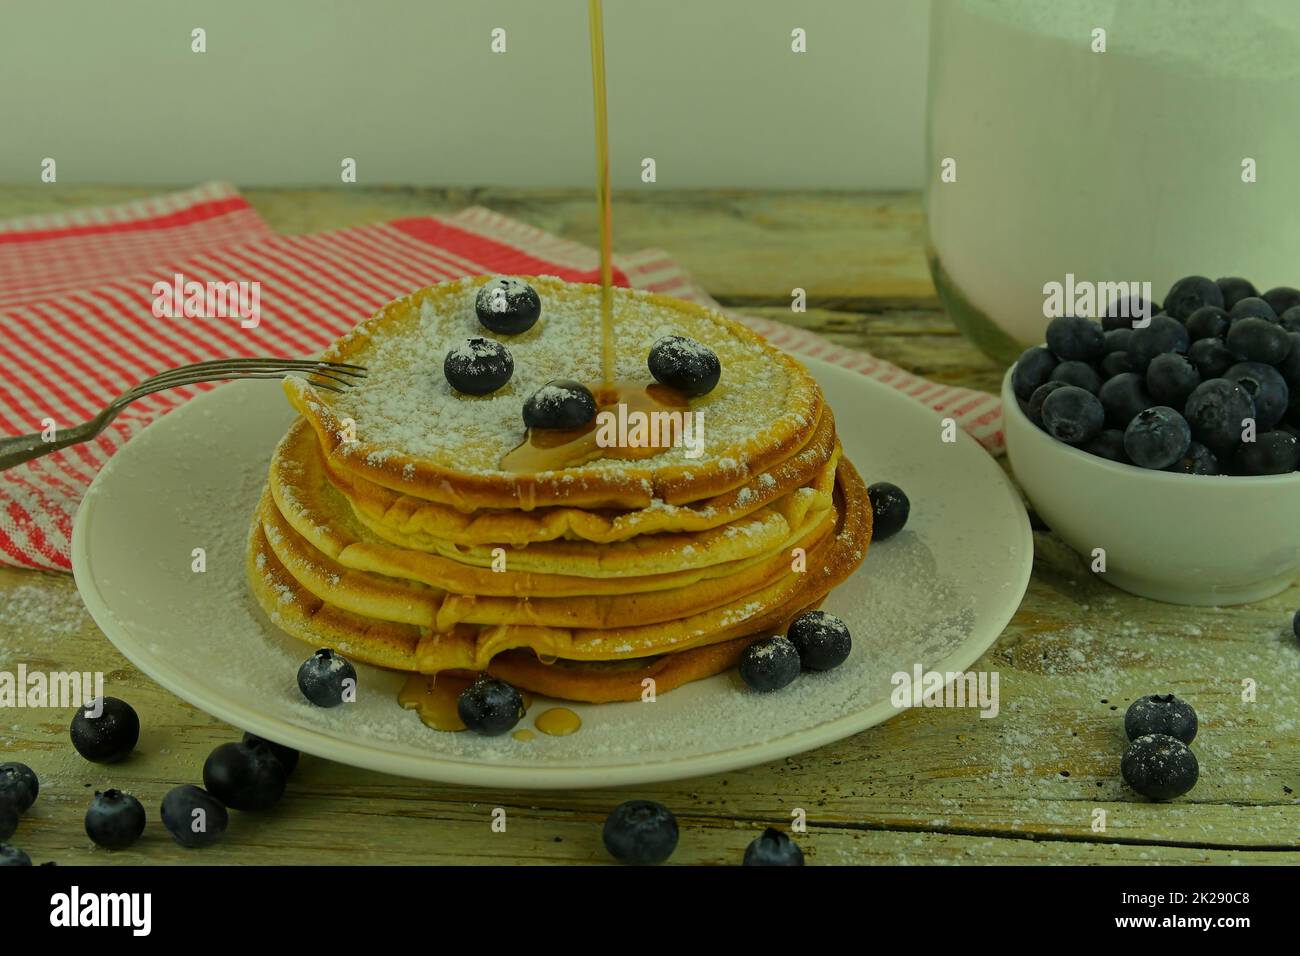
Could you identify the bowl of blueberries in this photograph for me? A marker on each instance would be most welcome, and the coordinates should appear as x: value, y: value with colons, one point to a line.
x: 1163, y: 442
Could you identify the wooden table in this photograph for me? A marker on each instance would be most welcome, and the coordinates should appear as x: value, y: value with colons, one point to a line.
x: 930, y: 786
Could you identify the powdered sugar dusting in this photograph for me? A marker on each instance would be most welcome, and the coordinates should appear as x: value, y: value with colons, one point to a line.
x: 37, y: 614
x: 405, y: 405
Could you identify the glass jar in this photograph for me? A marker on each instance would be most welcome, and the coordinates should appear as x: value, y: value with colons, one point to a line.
x: 1110, y: 141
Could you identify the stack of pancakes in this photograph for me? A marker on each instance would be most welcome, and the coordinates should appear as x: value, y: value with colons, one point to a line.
x: 391, y: 531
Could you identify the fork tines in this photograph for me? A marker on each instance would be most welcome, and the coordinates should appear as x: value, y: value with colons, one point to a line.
x: 335, y: 376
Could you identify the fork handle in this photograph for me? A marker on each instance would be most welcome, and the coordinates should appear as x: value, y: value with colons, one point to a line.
x: 21, y: 448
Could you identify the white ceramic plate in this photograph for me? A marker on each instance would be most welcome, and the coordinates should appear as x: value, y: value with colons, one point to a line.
x: 937, y: 594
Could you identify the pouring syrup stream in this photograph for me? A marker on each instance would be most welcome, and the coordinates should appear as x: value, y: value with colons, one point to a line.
x: 595, y: 23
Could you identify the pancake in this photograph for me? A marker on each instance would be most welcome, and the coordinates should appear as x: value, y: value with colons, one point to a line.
x: 298, y: 612
x: 413, y: 522
x: 445, y: 574
x: 596, y: 603
x: 419, y: 529
x: 773, y: 606
x: 414, y: 434
x: 603, y: 682
x: 319, y: 513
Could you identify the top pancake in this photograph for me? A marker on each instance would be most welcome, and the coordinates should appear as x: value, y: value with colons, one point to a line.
x: 414, y: 434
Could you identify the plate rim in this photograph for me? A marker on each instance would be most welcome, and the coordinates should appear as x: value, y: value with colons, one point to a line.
x: 456, y: 771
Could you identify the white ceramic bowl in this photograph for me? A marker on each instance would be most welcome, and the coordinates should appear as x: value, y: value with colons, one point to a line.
x: 1185, y: 539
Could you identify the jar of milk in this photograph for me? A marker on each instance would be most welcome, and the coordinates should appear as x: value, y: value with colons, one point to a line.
x: 1107, y: 141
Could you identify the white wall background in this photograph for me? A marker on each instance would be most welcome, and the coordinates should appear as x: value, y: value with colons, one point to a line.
x: 410, y: 89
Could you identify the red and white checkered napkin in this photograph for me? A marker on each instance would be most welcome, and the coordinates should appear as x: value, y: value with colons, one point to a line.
x: 65, y: 356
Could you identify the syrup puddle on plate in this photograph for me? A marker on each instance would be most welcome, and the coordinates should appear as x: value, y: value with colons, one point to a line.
x: 558, y: 722
x: 434, y: 698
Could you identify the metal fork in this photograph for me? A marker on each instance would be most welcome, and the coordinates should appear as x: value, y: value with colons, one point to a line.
x: 335, y: 376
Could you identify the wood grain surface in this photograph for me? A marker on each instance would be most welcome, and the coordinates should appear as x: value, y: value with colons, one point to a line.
x: 930, y: 786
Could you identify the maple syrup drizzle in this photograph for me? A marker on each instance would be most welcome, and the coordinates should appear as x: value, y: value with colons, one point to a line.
x: 558, y: 722
x: 434, y: 698
x: 550, y: 449
x: 595, y: 24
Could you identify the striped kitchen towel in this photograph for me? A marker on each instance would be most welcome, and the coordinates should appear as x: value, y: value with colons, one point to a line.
x: 45, y: 255
x: 68, y: 354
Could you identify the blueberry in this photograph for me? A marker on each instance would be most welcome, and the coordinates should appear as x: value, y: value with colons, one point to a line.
x: 1157, y: 437
x: 110, y: 736
x: 1272, y: 453
x: 193, y: 816
x: 1289, y: 367
x: 1189, y: 294
x: 1258, y: 340
x: 12, y: 856
x: 114, y: 820
x: 1252, y: 309
x: 1075, y: 339
x: 1171, y: 377
x: 1211, y: 357
x: 326, y: 678
x: 507, y: 305
x: 1033, y: 368
x: 1080, y: 374
x: 18, y: 786
x: 1216, y: 411
x: 1108, y: 444
x: 1282, y: 299
x: 1119, y: 340
x: 1115, y: 363
x: 561, y: 403
x: 1034, y: 407
x: 769, y: 663
x: 287, y: 756
x: 490, y: 707
x: 822, y: 640
x: 1290, y: 319
x: 244, y: 776
x: 1120, y: 313
x: 478, y: 366
x: 890, y: 509
x: 1162, y: 335
x: 1122, y: 397
x: 1207, y: 322
x: 685, y: 365
x: 8, y: 821
x: 1073, y: 415
x: 1267, y: 388
x: 1197, y: 460
x: 1159, y: 766
x: 1235, y: 289
x: 640, y: 833
x: 773, y: 848
x: 1161, y: 714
